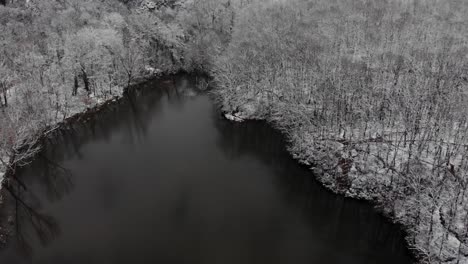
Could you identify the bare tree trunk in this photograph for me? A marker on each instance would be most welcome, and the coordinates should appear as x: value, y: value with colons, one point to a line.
x: 84, y: 75
x: 4, y: 92
x: 75, y: 86
x: 130, y: 78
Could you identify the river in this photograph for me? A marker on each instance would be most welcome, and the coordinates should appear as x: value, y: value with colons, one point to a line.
x: 161, y: 177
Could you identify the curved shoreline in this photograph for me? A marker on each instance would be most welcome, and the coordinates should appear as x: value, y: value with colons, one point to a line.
x: 434, y: 231
x: 7, y: 223
x: 330, y: 184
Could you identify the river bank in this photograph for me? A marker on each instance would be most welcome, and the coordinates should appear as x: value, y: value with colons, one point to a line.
x: 341, y: 167
x: 238, y: 178
x: 35, y: 97
x: 80, y: 113
x: 360, y: 170
x: 83, y: 117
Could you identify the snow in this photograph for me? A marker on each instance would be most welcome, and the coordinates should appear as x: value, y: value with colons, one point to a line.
x: 2, y: 168
x: 152, y: 71
x: 233, y: 117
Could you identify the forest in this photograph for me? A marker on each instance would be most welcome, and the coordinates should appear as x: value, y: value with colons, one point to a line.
x: 372, y: 94
x: 58, y: 58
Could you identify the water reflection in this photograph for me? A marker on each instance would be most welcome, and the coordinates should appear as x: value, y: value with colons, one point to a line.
x: 33, y: 226
x: 162, y: 178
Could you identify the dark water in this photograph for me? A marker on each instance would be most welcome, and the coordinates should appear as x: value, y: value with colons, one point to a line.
x: 161, y: 178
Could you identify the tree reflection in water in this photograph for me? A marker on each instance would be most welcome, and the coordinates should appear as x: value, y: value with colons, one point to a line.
x: 32, y: 225
x: 26, y: 205
x: 162, y: 177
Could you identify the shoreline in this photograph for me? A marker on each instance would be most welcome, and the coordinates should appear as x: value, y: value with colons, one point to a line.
x: 335, y: 176
x: 326, y: 180
x: 334, y: 187
x: 7, y: 219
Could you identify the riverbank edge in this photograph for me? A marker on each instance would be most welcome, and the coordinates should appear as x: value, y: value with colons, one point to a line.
x: 7, y: 220
x: 333, y: 186
x: 7, y: 217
